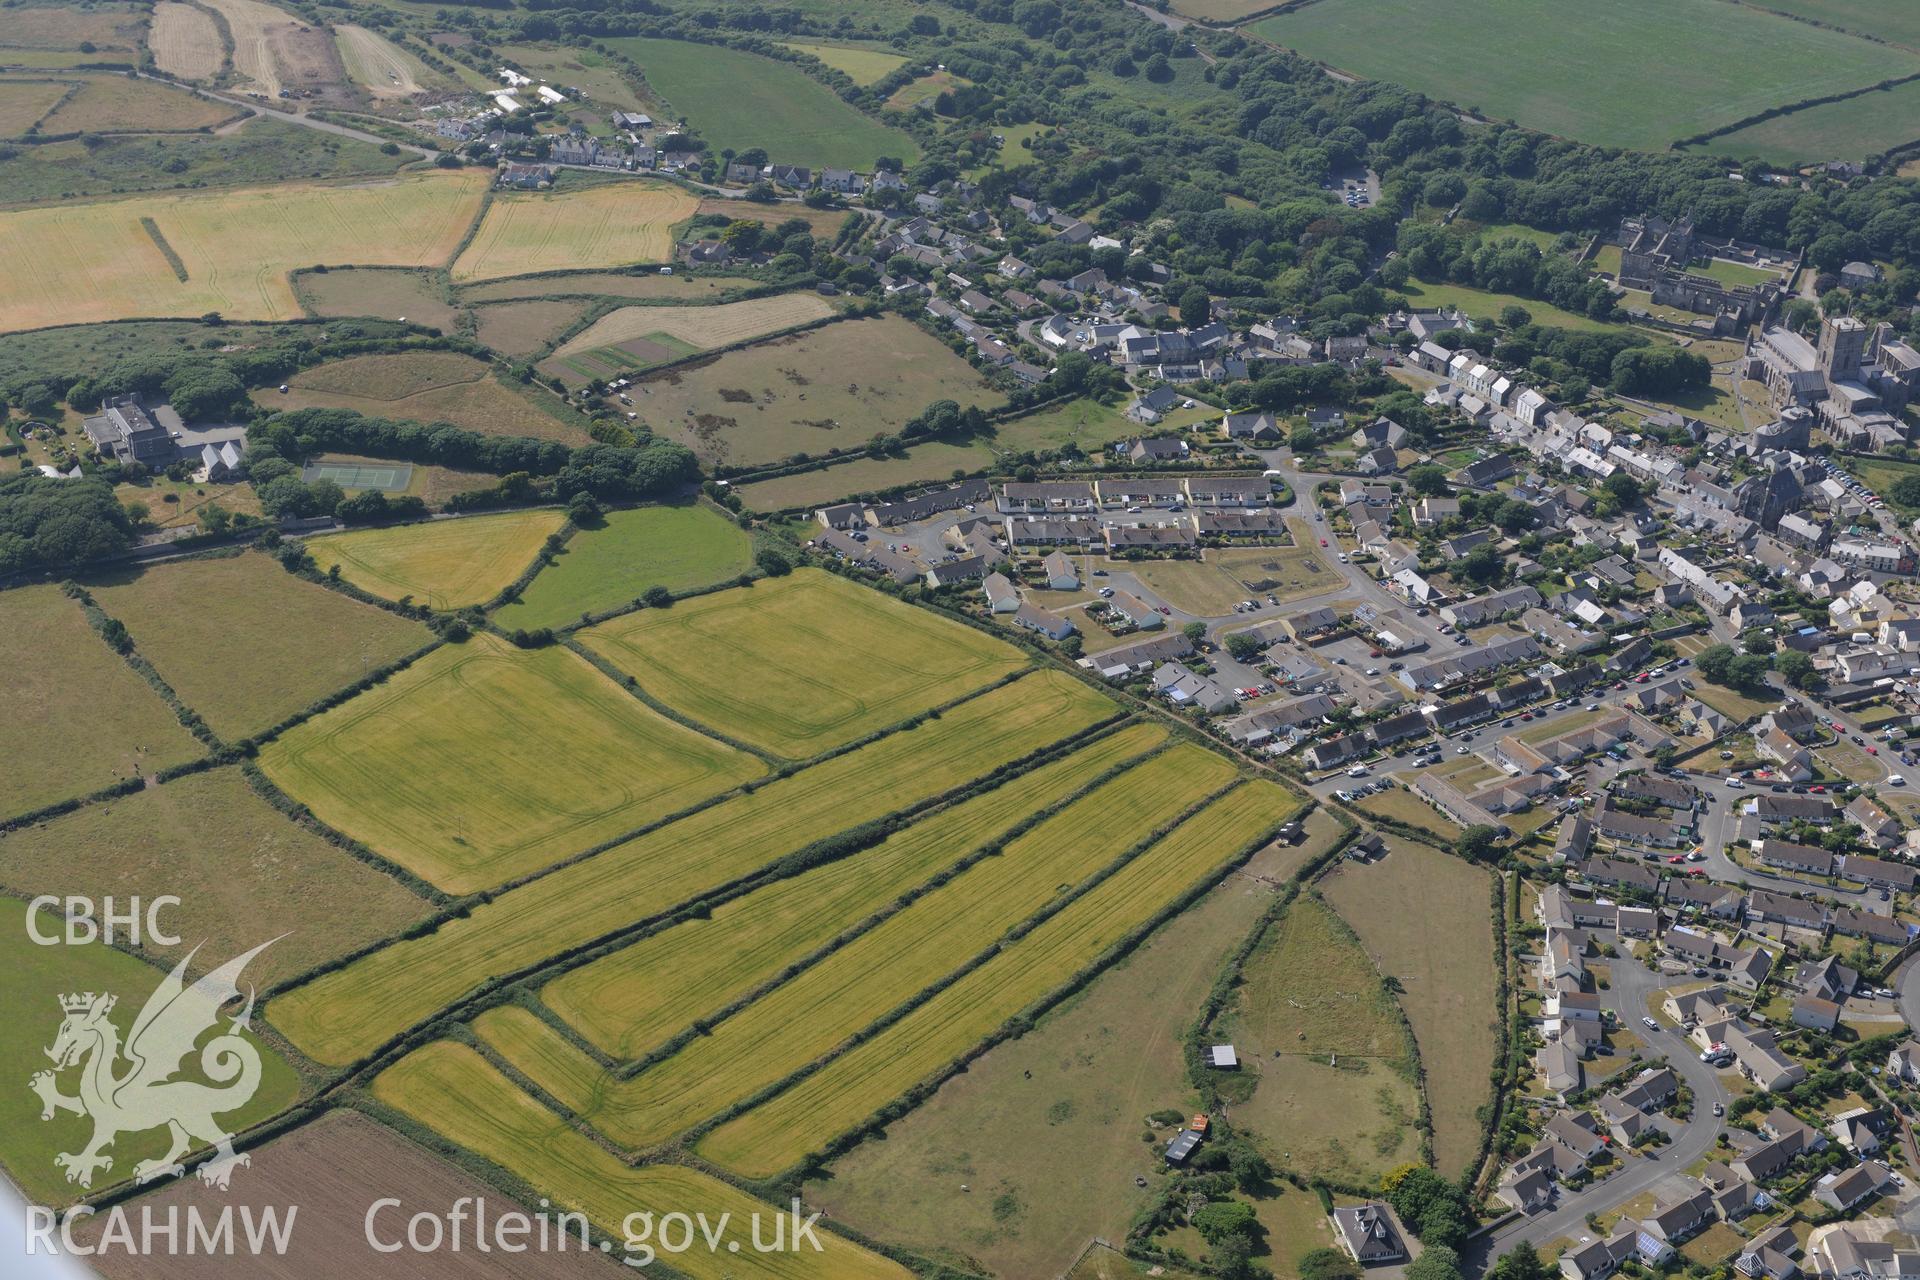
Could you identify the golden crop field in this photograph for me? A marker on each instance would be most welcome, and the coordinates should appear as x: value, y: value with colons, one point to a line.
x: 482, y: 762
x: 544, y: 1055
x: 185, y: 41
x: 73, y: 716
x: 382, y: 68
x: 115, y: 104
x: 458, y: 1094
x: 260, y: 32
x: 443, y: 564
x: 611, y: 225
x: 627, y: 1003
x: 301, y: 641
x: 805, y: 1018
x: 91, y: 261
x: 343, y: 1015
x: 848, y: 1090
x: 802, y: 664
x: 431, y: 386
x: 68, y: 27
x: 702, y: 327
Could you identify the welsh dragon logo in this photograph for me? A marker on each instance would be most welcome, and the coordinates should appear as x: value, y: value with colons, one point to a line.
x: 144, y: 1094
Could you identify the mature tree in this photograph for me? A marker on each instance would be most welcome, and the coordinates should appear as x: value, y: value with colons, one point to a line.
x: 1756, y: 640
x: 1713, y: 662
x: 1477, y: 842
x: 1522, y: 1262
x: 1623, y: 487
x: 1905, y: 491
x: 1244, y: 646
x: 1436, y: 1262
x: 1195, y: 631
x: 1796, y: 668
x: 1430, y: 480
x: 1195, y: 306
x: 1223, y: 1218
x: 1302, y: 439
x: 1483, y: 565
x: 1513, y: 516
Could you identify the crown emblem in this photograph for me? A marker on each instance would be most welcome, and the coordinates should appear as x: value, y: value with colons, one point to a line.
x: 81, y: 1002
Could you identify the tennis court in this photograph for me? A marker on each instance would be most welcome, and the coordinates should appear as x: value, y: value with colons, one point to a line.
x: 389, y: 477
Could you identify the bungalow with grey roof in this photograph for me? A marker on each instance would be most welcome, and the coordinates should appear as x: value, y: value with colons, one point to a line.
x: 1001, y: 594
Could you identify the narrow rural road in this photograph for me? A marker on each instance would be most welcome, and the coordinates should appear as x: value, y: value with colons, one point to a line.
x: 293, y: 117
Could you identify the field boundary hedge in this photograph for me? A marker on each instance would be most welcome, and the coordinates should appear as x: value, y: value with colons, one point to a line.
x: 114, y: 634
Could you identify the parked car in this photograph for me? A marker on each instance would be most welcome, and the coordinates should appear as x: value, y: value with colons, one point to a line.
x: 1651, y: 1024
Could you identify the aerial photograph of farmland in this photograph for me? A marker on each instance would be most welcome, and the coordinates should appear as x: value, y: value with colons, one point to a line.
x: 960, y: 639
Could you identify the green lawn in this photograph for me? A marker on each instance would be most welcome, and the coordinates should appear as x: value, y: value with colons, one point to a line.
x: 740, y: 100
x: 1482, y: 304
x: 1733, y: 272
x: 1881, y: 474
x: 1629, y: 73
x: 678, y: 548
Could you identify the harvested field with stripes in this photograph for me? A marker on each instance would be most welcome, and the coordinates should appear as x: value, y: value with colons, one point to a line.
x: 846, y: 1092
x: 185, y: 42
x: 630, y: 1002
x: 482, y: 762
x: 443, y: 564
x: 635, y: 338
x: 775, y: 664
x: 801, y: 1020
x: 457, y: 1093
x: 343, y: 1015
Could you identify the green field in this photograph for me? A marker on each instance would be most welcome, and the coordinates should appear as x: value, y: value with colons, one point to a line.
x: 805, y: 1018
x: 73, y: 716
x: 1881, y: 474
x: 1850, y: 129
x: 32, y: 981
x: 863, y: 65
x: 1335, y: 1091
x: 802, y: 664
x: 245, y: 643
x: 1892, y: 20
x: 740, y: 100
x: 679, y: 548
x: 1426, y: 918
x: 235, y: 863
x: 1484, y: 305
x: 433, y: 387
x: 343, y: 1015
x: 482, y: 762
x: 846, y: 1092
x: 1630, y: 73
x: 453, y: 1090
x: 541, y: 1053
x: 1210, y: 588
x: 831, y: 388
x: 633, y: 999
x: 443, y: 564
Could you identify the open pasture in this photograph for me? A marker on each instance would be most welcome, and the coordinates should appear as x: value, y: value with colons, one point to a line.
x: 443, y: 564
x: 740, y: 100
x: 802, y: 664
x: 232, y: 860
x: 847, y: 1091
x: 392, y: 295
x: 73, y: 716
x: 1850, y: 129
x: 428, y: 386
x: 1052, y: 1121
x: 633, y: 338
x: 383, y: 68
x: 1314, y: 1024
x: 632, y: 551
x: 457, y: 1093
x: 1630, y: 73
x: 923, y: 463
x: 109, y: 28
x: 862, y: 64
x: 32, y: 980
x: 482, y: 762
x: 831, y: 388
x: 1223, y: 11
x: 923, y: 89
x: 1891, y: 20
x: 608, y: 225
x: 650, y: 286
x: 628, y: 1002
x: 334, y: 1168
x: 1426, y: 918
x: 24, y: 102
x: 115, y: 104
x: 343, y: 1015
x: 83, y: 263
x: 823, y: 223
x: 185, y: 41
x: 804, y: 1019
x: 523, y: 328
x: 245, y: 643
